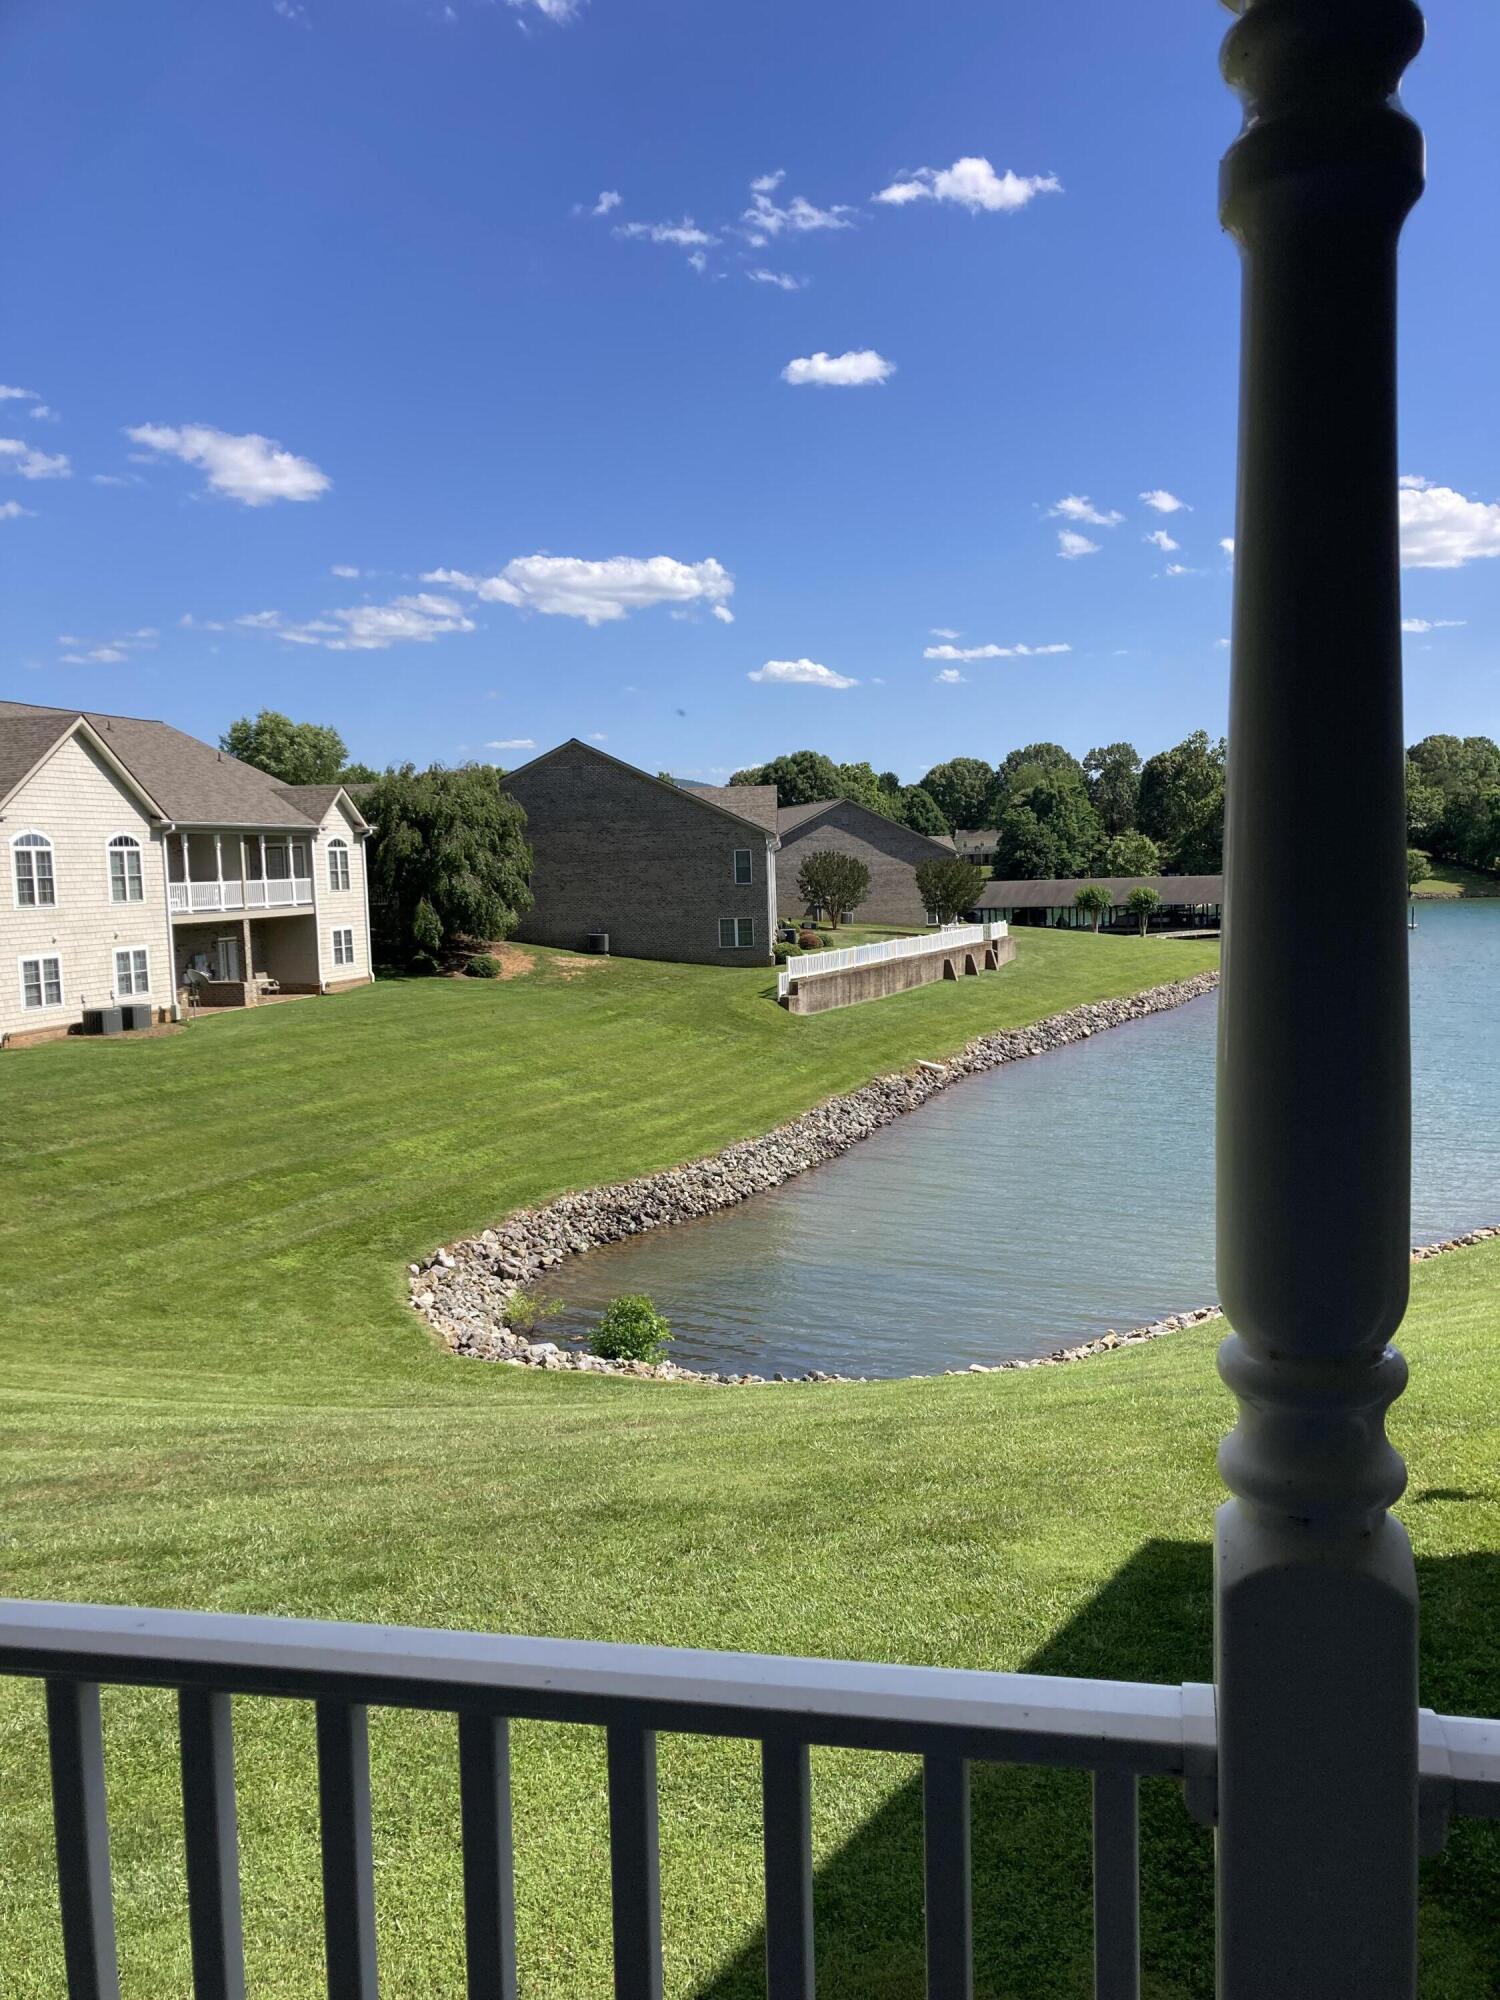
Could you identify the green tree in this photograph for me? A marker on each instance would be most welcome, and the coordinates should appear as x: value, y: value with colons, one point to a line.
x: 1095, y: 901
x: 1049, y: 830
x: 918, y: 810
x: 1418, y: 868
x: 949, y: 888
x: 1471, y: 826
x: 631, y: 1330
x: 832, y: 882
x: 1142, y: 903
x: 1425, y: 806
x: 861, y: 783
x: 1182, y: 804
x: 800, y: 778
x: 448, y: 862
x: 961, y: 789
x: 1464, y: 773
x: 358, y: 774
x: 1130, y: 854
x: 1019, y: 770
x: 297, y: 753
x: 1114, y: 781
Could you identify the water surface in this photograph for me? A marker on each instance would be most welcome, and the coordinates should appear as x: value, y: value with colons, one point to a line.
x: 1042, y: 1203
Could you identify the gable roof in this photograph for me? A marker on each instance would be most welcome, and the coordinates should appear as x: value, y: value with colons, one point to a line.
x: 188, y: 781
x: 315, y: 800
x: 709, y: 804
x: 757, y: 802
x: 792, y: 819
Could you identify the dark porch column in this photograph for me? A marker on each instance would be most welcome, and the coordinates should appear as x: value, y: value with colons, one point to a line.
x: 1316, y: 1595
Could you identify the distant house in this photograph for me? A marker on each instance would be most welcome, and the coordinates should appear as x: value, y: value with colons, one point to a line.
x: 1188, y: 902
x: 979, y: 844
x: 662, y: 870
x: 891, y: 852
x: 137, y: 856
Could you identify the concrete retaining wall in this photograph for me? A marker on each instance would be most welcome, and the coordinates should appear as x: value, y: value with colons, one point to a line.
x: 820, y: 991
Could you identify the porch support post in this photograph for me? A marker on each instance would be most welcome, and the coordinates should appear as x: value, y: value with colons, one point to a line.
x: 1316, y: 1603
x: 187, y: 865
x: 219, y: 867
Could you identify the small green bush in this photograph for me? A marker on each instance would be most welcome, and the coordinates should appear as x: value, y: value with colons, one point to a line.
x: 482, y: 966
x: 526, y: 1309
x: 631, y: 1330
x: 784, y: 950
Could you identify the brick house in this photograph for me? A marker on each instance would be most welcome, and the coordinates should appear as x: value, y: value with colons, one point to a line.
x: 684, y: 872
x: 892, y: 853
x: 136, y: 856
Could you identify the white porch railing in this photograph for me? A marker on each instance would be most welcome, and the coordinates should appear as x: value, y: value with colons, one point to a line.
x: 291, y: 892
x: 1119, y: 1731
x: 949, y: 938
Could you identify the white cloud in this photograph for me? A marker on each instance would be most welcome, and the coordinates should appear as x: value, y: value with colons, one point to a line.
x: 782, y: 280
x: 598, y: 737
x: 1442, y: 529
x: 1079, y: 507
x: 1071, y: 545
x: 684, y: 235
x: 551, y: 10
x: 13, y: 395
x: 12, y: 510
x: 699, y: 261
x: 367, y: 628
x: 993, y: 652
x: 1413, y: 479
x: 765, y: 218
x: 112, y: 652
x: 251, y: 468
x: 839, y: 371
x: 512, y: 743
x: 98, y: 656
x: 116, y: 479
x: 597, y: 592
x: 945, y: 632
x: 949, y: 676
x: 1163, y: 501
x: 189, y: 623
x: 18, y: 456
x: 610, y: 198
x: 1160, y: 539
x: 1226, y: 543
x: 1182, y: 569
x: 1221, y: 642
x: 44, y: 413
x: 723, y: 613
x: 1432, y: 624
x: 973, y: 183
x: 344, y: 570
x: 801, y: 673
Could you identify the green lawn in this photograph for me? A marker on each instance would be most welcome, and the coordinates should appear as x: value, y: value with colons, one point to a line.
x: 1450, y: 878
x: 214, y: 1396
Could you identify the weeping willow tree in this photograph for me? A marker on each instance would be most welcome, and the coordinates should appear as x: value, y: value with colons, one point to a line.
x: 448, y: 863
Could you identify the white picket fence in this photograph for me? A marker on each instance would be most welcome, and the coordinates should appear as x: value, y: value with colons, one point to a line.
x: 949, y: 938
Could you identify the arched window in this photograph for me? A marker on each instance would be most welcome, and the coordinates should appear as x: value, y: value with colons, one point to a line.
x: 338, y: 864
x: 126, y: 884
x: 36, y: 884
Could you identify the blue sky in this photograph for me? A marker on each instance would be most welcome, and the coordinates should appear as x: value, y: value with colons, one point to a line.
x: 366, y: 232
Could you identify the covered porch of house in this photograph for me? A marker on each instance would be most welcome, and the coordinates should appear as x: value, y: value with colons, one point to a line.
x: 242, y: 960
x: 225, y: 869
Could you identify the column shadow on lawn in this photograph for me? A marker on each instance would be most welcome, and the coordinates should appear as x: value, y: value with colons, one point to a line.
x: 1033, y: 1936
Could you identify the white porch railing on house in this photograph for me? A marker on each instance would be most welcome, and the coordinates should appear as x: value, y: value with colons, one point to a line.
x: 950, y: 938
x: 289, y: 892
x: 1118, y: 1731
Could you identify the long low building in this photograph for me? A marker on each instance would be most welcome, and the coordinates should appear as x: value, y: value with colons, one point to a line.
x: 1188, y: 902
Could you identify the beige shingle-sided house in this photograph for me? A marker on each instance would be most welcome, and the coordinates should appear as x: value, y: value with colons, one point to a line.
x: 135, y: 856
x: 663, y: 870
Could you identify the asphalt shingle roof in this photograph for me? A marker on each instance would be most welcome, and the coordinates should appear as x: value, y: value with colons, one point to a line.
x: 757, y: 802
x: 194, y: 784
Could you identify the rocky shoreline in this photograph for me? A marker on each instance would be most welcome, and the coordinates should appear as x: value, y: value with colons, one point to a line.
x: 464, y: 1291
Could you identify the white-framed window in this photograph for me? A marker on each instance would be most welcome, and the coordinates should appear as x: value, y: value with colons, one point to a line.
x: 41, y: 982
x: 132, y: 972
x: 742, y: 874
x: 343, y: 947
x: 338, y: 864
x: 35, y: 881
x: 736, y: 933
x: 126, y: 883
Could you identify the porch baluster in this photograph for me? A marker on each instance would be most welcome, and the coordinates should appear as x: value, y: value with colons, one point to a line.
x: 212, y: 1841
x: 1316, y: 1602
x: 75, y: 1742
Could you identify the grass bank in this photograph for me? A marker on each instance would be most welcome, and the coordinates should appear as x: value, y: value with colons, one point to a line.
x: 1450, y: 879
x: 215, y: 1397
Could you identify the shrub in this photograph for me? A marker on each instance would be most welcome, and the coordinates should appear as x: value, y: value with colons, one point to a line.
x: 783, y: 951
x: 526, y: 1309
x: 631, y: 1330
x: 483, y: 966
x: 809, y: 941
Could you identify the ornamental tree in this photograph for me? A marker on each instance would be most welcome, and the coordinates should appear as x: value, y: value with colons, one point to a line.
x: 949, y: 887
x: 1141, y: 903
x: 1094, y: 900
x: 832, y: 882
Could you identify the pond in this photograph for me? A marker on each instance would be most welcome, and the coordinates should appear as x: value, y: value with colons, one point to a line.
x: 1042, y: 1203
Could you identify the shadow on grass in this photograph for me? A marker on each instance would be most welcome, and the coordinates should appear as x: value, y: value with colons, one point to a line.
x: 1033, y: 1937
